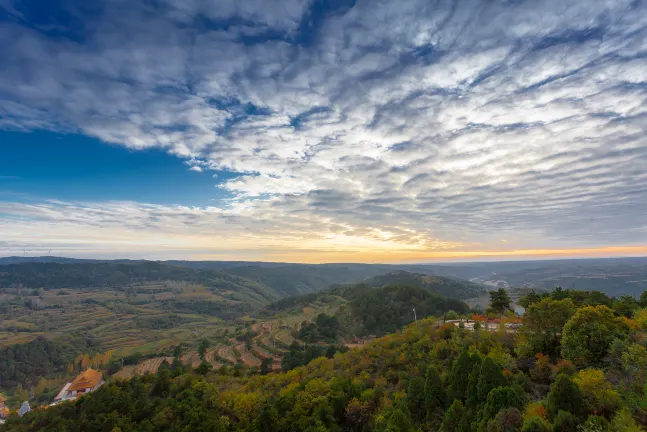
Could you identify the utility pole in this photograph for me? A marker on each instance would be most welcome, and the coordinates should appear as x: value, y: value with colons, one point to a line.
x: 415, y: 317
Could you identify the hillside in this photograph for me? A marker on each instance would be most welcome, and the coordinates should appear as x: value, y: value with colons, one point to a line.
x: 427, y: 377
x: 436, y: 284
x: 378, y: 311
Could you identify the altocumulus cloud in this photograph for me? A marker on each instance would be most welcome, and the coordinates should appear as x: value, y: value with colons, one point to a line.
x: 417, y: 125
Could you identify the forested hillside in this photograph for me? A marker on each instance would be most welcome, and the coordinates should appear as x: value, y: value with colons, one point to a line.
x: 454, y: 288
x: 577, y: 368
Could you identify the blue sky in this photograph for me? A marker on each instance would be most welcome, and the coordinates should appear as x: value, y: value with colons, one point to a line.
x: 323, y: 130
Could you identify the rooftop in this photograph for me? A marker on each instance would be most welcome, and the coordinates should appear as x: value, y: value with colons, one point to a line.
x: 86, y: 379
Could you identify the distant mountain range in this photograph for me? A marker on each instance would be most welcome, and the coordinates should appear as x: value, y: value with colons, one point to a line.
x: 615, y: 276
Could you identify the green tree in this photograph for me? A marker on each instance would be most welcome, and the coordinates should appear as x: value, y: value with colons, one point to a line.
x: 268, y: 419
x: 500, y: 301
x: 626, y: 305
x: 536, y: 424
x: 490, y: 377
x: 528, y: 299
x: 624, y: 422
x: 543, y: 323
x: 399, y: 422
x: 507, y: 420
x: 455, y: 418
x: 203, y: 346
x: 498, y: 399
x: 564, y: 395
x: 643, y: 299
x: 589, y: 333
x: 565, y: 422
x: 435, y: 397
x: 472, y: 398
x: 266, y: 366
x: 416, y: 398
x: 459, y: 375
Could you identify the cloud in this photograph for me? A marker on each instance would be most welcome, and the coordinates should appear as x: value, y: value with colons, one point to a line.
x: 449, y: 124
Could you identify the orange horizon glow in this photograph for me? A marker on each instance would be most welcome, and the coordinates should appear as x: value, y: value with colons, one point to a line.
x: 399, y: 257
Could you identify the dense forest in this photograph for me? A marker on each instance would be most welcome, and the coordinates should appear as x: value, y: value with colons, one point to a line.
x: 573, y: 367
x: 24, y: 364
x: 385, y: 310
x: 454, y: 288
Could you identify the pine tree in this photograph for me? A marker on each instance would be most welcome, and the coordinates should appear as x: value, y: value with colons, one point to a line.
x: 490, y: 378
x: 454, y: 418
x: 458, y: 378
x: 472, y: 385
x: 564, y: 395
x: 416, y: 398
x: 435, y: 397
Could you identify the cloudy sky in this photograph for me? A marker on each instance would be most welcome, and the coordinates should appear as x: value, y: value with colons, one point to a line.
x: 323, y: 130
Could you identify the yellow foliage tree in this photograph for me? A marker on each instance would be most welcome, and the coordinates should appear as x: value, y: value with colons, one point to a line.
x: 599, y: 395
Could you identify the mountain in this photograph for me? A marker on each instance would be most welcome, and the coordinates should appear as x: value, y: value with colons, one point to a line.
x: 439, y: 285
x: 386, y: 309
x: 97, y: 275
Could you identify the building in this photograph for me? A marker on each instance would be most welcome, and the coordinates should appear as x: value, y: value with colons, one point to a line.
x: 24, y: 409
x: 86, y: 382
x: 4, y: 410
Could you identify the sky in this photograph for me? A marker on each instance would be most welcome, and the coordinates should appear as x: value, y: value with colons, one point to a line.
x: 323, y: 130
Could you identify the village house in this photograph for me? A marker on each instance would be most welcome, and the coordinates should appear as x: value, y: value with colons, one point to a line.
x: 4, y: 410
x: 86, y: 382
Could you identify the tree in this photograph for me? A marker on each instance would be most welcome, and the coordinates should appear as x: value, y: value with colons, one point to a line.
x: 435, y: 397
x: 454, y: 420
x: 203, y: 368
x: 203, y: 346
x: 507, y: 420
x: 564, y: 395
x: 589, y: 334
x: 267, y: 420
x: 624, y: 422
x: 500, y: 301
x: 398, y: 422
x: 459, y: 375
x: 626, y: 305
x: 498, y: 399
x: 543, y: 323
x: 416, y: 398
x: 472, y: 397
x: 565, y: 422
x: 634, y: 362
x: 266, y: 366
x: 490, y: 377
x: 599, y: 395
x: 179, y: 350
x: 643, y: 299
x: 528, y: 299
x: 536, y: 424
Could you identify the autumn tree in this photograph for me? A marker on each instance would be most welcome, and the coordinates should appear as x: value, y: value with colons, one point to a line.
x: 588, y: 335
x: 599, y: 395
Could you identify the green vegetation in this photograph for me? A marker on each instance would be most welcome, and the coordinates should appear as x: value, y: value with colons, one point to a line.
x: 430, y: 376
